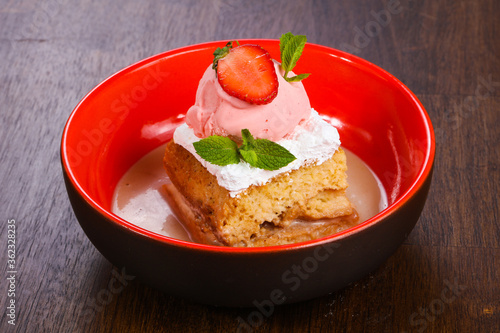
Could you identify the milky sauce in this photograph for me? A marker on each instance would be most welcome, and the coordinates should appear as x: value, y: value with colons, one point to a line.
x: 140, y: 199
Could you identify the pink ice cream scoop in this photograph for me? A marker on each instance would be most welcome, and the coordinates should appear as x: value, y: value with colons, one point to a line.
x: 217, y: 113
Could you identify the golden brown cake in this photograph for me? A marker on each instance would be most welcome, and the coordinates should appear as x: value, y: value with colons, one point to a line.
x: 261, y: 215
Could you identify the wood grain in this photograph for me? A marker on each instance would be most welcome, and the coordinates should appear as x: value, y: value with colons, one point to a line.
x: 443, y: 279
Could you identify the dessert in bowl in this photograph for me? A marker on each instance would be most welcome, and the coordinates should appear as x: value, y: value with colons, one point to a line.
x: 138, y: 110
x: 232, y: 189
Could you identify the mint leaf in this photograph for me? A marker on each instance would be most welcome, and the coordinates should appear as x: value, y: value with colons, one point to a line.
x: 247, y: 137
x: 220, y: 53
x: 293, y: 50
x: 259, y: 153
x: 247, y: 148
x: 270, y: 155
x: 250, y: 157
x: 263, y: 153
x: 218, y: 150
x: 299, y: 77
x: 284, y: 40
x: 291, y: 47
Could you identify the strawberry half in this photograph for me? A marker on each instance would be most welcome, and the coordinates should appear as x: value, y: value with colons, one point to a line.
x: 247, y: 72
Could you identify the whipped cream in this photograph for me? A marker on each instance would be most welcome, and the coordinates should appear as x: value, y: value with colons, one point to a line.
x: 313, y: 141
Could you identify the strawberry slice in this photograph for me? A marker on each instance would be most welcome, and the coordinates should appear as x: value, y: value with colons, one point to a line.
x: 247, y: 72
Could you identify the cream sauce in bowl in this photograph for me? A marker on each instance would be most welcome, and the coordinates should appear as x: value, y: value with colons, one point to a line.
x: 140, y: 199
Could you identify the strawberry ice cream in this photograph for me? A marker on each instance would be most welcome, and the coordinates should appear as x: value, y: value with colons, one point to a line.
x: 217, y: 113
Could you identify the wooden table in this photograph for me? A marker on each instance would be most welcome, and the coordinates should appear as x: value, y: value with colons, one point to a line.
x: 444, y: 278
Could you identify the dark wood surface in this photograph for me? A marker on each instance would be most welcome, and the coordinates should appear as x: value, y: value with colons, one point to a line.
x: 444, y: 278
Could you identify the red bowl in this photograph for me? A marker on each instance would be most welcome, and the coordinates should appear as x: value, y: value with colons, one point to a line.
x: 137, y: 109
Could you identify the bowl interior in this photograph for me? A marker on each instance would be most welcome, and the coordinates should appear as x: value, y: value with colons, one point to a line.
x: 137, y: 109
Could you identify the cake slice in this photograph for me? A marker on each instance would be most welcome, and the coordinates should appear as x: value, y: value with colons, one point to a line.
x: 261, y: 215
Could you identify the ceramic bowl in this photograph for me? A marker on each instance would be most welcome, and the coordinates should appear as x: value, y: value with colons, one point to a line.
x: 137, y: 109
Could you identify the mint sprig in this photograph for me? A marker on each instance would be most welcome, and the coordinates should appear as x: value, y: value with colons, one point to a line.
x: 260, y: 153
x: 218, y: 150
x: 263, y: 153
x: 291, y: 47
